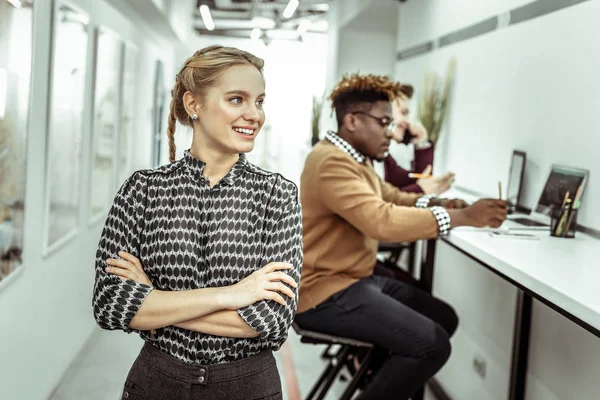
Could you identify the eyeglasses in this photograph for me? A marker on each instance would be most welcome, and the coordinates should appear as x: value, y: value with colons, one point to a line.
x: 384, y: 122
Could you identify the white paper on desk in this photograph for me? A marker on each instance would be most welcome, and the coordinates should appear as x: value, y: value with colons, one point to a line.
x: 514, y: 236
x: 473, y: 229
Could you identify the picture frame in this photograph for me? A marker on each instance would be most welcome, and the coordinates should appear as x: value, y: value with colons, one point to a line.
x: 66, y: 112
x: 127, y: 131
x: 106, y: 121
x: 16, y: 40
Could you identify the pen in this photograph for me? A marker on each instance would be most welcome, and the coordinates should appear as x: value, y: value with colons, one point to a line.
x: 418, y: 176
x: 500, y: 190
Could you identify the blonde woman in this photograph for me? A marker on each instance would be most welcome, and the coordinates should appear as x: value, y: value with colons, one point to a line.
x: 202, y: 256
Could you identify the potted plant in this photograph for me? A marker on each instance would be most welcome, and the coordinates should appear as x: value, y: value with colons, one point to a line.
x: 433, y: 101
x: 317, y: 107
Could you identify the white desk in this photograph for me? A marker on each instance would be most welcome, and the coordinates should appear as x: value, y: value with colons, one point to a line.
x: 562, y: 273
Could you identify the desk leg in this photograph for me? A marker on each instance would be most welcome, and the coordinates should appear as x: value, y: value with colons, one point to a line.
x: 426, y: 278
x: 520, y: 347
x: 428, y: 266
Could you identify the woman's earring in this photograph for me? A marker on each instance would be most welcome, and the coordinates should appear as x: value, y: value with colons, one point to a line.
x: 194, y: 116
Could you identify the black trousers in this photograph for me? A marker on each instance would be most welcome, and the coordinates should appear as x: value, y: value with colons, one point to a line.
x: 159, y: 376
x: 409, y: 325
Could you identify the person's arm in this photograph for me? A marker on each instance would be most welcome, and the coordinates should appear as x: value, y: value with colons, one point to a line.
x: 221, y: 323
x: 398, y: 176
x: 283, y: 243
x: 265, y: 283
x: 392, y: 194
x: 390, y: 218
x: 414, y: 188
x: 125, y: 303
x: 423, y: 158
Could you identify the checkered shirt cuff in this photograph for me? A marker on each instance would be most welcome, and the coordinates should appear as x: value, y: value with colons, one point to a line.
x: 443, y: 219
x: 423, y: 201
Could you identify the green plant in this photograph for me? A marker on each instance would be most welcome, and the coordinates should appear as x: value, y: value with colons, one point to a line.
x: 433, y: 101
x: 317, y: 108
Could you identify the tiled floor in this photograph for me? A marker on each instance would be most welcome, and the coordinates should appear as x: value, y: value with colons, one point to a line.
x: 99, y: 371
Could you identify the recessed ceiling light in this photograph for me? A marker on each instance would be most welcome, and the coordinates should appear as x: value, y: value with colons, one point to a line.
x: 290, y: 9
x: 206, y: 17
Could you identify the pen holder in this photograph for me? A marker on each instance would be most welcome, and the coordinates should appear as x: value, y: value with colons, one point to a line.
x: 563, y: 222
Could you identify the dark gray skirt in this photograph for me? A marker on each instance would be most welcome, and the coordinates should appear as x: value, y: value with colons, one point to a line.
x: 159, y: 376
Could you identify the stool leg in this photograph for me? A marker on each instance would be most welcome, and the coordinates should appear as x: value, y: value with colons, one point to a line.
x: 328, y: 376
x: 325, y: 355
x: 353, y: 385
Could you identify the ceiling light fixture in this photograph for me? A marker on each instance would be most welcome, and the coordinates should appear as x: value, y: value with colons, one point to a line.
x: 290, y: 9
x: 206, y: 17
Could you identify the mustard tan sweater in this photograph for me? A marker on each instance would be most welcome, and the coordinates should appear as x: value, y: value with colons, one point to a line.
x: 346, y: 210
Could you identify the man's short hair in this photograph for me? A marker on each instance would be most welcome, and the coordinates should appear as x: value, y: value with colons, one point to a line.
x: 357, y: 92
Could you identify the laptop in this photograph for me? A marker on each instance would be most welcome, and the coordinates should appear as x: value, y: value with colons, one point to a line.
x: 515, y: 181
x: 562, y: 179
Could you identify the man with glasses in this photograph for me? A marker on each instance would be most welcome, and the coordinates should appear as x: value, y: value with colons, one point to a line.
x: 346, y: 210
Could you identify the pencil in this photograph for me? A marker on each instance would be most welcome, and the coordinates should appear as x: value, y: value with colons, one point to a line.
x: 565, y: 199
x: 500, y: 190
x: 418, y: 176
x: 576, y: 199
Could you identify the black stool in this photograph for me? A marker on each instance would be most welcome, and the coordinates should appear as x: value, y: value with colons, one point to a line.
x: 349, y: 348
x: 395, y: 250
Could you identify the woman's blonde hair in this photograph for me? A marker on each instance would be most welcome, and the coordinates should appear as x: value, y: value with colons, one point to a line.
x: 197, y: 74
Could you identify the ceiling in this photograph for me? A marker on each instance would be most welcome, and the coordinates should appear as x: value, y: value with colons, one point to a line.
x: 237, y: 18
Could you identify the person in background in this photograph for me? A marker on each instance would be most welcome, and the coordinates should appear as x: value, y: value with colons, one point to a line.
x: 346, y: 210
x: 389, y: 169
x: 202, y: 257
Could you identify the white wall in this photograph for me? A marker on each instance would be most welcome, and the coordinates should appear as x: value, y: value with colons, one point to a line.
x: 513, y: 91
x: 46, y: 311
x: 532, y: 86
x: 362, y: 38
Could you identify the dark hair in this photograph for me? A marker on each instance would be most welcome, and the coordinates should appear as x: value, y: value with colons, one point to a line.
x: 407, y: 90
x: 198, y: 73
x: 358, y: 93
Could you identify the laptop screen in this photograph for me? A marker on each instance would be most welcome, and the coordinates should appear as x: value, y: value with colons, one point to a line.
x: 515, y: 180
x: 560, y: 181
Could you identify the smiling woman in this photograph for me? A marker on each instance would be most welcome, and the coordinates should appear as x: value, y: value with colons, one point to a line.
x: 202, y: 257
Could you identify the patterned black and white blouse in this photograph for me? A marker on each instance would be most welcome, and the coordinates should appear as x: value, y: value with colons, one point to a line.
x: 190, y: 236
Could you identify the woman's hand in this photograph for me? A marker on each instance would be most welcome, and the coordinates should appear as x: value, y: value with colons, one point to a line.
x: 129, y: 267
x: 263, y: 284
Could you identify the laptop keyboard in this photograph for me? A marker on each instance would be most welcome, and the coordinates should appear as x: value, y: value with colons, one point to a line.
x: 528, y: 222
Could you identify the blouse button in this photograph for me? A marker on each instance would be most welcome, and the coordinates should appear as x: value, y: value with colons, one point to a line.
x: 202, y: 371
x: 126, y: 395
x: 201, y: 379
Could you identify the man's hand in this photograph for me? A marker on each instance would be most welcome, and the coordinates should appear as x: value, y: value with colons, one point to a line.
x: 485, y: 212
x: 419, y: 132
x: 452, y: 204
x: 435, y: 184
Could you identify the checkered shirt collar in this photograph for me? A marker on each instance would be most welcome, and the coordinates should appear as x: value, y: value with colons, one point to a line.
x: 345, y: 146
